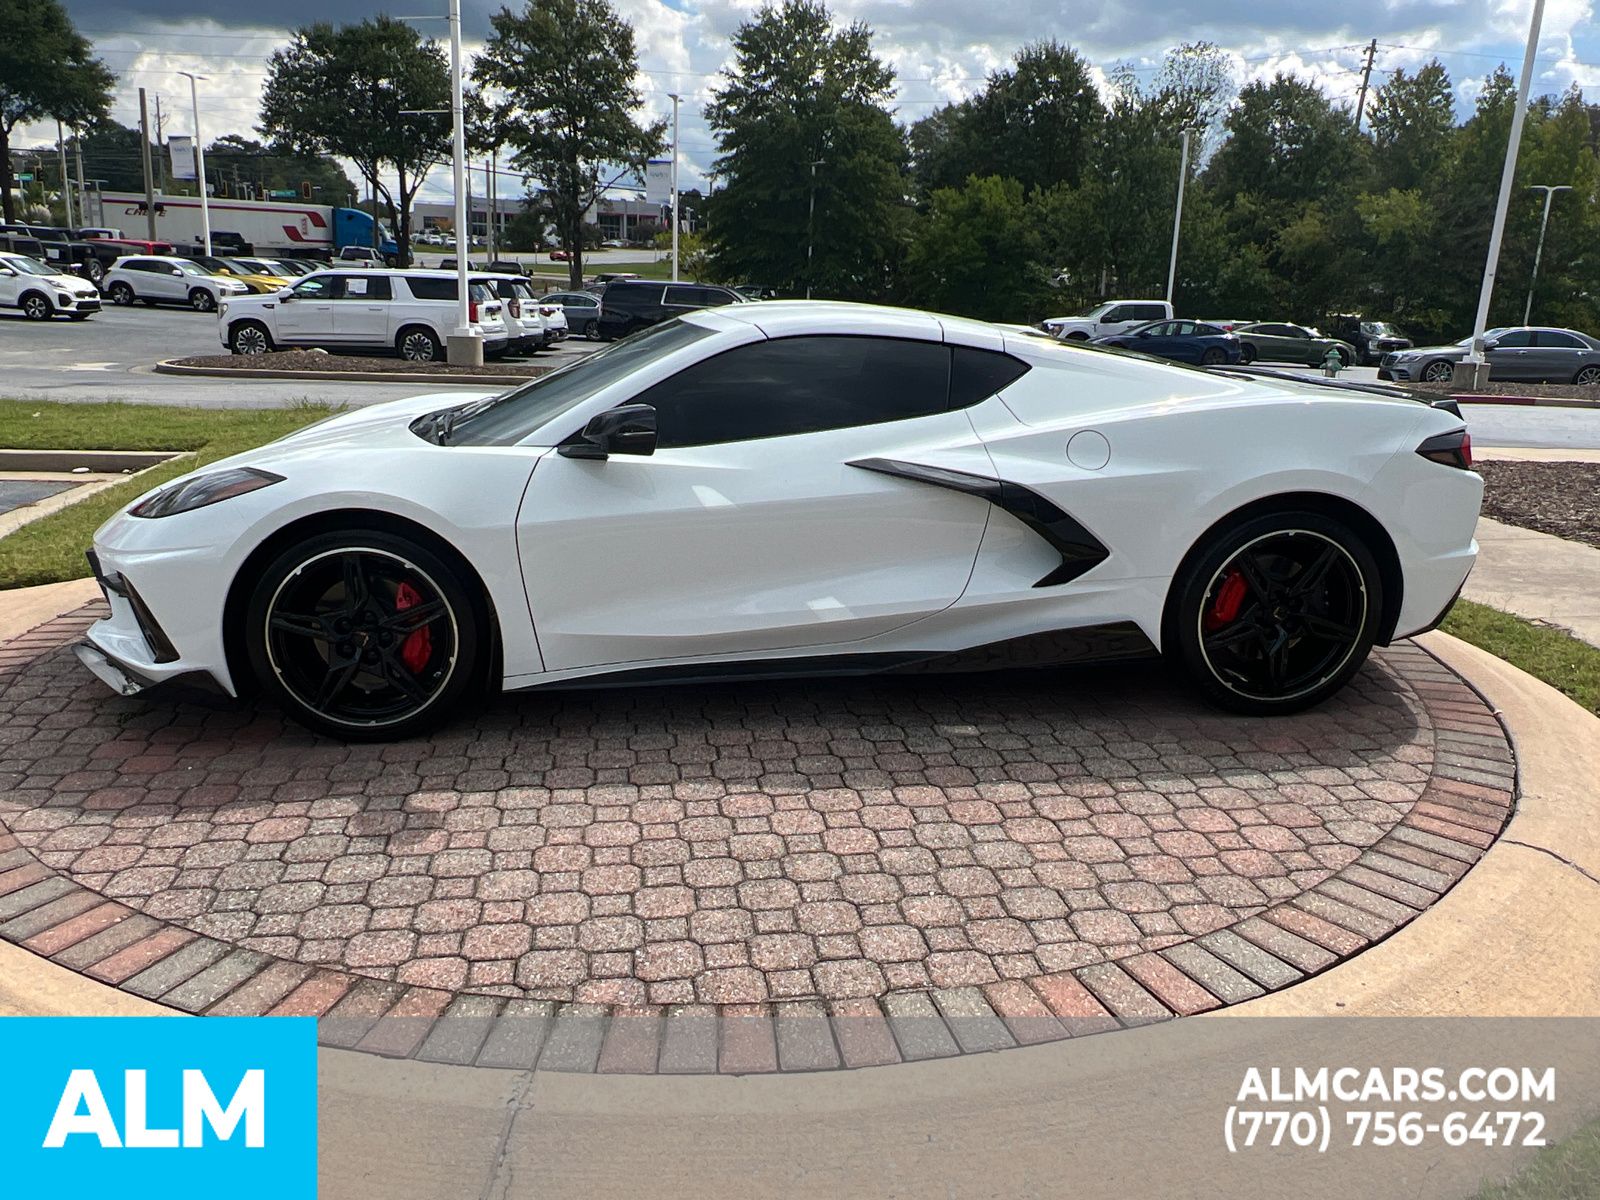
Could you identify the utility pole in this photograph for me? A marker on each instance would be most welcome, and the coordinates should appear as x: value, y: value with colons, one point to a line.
x: 1366, y: 78
x: 1549, y: 191
x: 149, y: 179
x: 811, y: 221
x: 66, y: 188
x: 77, y: 154
x: 1177, y: 217
x: 674, y: 96
x: 161, y: 148
x: 1471, y: 371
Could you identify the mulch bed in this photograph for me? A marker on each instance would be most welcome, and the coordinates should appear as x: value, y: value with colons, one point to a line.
x: 1560, y: 498
x: 306, y: 360
x: 1564, y: 391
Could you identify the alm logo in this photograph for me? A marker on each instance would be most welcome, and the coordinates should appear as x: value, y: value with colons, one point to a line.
x: 83, y: 1110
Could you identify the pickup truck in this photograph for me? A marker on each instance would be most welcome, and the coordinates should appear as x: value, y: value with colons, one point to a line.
x: 1104, y: 320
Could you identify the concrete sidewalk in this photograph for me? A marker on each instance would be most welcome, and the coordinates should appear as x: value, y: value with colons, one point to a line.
x: 1537, y: 576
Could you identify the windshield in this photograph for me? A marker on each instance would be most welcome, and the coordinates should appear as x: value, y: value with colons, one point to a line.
x: 28, y: 266
x: 1488, y: 335
x: 1380, y: 329
x: 189, y: 268
x: 507, y: 419
x: 1095, y: 311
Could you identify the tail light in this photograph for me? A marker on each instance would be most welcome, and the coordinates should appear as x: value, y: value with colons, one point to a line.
x: 1452, y: 449
x: 547, y: 310
x: 472, y: 310
x: 514, y: 307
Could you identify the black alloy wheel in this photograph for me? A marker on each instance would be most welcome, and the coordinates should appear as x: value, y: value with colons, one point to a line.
x: 201, y: 300
x: 363, y: 635
x: 1277, y: 614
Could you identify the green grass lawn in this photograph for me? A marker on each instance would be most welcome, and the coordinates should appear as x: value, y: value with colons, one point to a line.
x: 51, y: 549
x: 1569, y: 1170
x: 1558, y: 658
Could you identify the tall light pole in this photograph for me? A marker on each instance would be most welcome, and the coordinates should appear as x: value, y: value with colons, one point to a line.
x: 466, y: 343
x: 1549, y: 191
x: 674, y: 96
x: 200, y: 160
x: 1177, y: 217
x: 811, y: 220
x: 1470, y: 371
x: 66, y: 183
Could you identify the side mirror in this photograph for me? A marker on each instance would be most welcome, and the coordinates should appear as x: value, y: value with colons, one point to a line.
x: 1491, y: 344
x: 5, y: 270
x: 630, y: 429
x: 286, y: 295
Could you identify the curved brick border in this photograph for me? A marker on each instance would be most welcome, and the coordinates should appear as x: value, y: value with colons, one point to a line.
x: 1465, y: 804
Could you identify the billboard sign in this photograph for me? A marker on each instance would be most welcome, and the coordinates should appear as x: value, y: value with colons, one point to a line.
x: 181, y: 152
x: 658, y: 181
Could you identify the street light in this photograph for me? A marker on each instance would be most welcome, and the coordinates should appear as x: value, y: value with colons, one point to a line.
x: 811, y: 216
x: 1473, y: 375
x: 1177, y: 217
x: 200, y: 159
x: 1549, y: 191
x: 675, y: 98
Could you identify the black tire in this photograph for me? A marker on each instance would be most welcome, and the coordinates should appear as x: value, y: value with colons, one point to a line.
x: 1247, y: 354
x: 36, y: 306
x: 586, y: 330
x: 94, y: 271
x: 377, y: 681
x: 249, y: 337
x: 1213, y: 358
x: 202, y: 301
x: 1438, y: 371
x: 1274, y: 614
x: 121, y: 294
x: 1345, y: 359
x: 418, y: 343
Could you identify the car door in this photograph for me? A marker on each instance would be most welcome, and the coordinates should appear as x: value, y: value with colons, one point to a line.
x: 1512, y: 358
x: 1152, y: 339
x: 166, y: 281
x: 306, y: 317
x: 361, y: 310
x: 1557, y: 356
x: 10, y: 284
x: 752, y: 526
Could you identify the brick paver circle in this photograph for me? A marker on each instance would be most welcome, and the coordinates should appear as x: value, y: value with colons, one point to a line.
x: 1042, y: 844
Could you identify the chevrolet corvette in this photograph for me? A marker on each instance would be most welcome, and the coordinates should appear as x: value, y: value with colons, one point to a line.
x: 798, y: 488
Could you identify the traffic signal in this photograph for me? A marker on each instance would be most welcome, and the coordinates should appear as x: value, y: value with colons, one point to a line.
x: 305, y: 189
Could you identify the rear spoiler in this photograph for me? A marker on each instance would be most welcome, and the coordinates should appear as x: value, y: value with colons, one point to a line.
x: 1447, y: 403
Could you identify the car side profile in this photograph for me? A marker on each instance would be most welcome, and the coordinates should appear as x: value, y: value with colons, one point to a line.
x: 1518, y: 354
x: 628, y: 305
x: 582, y: 310
x: 1269, y: 341
x: 411, y: 312
x: 797, y: 488
x: 152, y: 279
x: 42, y: 291
x: 1181, y: 341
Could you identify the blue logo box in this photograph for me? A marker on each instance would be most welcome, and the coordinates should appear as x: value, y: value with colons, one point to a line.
x: 158, y: 1107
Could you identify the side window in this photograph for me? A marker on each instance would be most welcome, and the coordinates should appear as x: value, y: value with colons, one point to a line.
x: 424, y: 288
x: 696, y: 297
x: 800, y: 385
x: 1149, y: 312
x: 1554, y: 337
x: 1516, y: 339
x: 1120, y: 313
x: 978, y: 374
x: 367, y: 287
x: 1165, y: 329
x: 319, y: 287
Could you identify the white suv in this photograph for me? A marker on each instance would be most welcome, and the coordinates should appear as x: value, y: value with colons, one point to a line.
x: 411, y: 312
x: 160, y: 280
x: 531, y: 324
x: 41, y: 291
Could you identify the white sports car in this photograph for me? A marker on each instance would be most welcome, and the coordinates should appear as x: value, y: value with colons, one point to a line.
x: 798, y: 487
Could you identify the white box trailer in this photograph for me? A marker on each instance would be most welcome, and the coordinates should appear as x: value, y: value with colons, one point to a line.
x: 284, y: 228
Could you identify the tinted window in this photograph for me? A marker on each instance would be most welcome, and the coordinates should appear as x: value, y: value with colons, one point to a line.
x: 1165, y: 329
x: 978, y: 374
x: 367, y: 287
x: 800, y: 385
x: 319, y: 287
x: 1122, y: 313
x: 1552, y: 337
x: 1201, y: 330
x: 424, y: 288
x: 1148, y: 312
x: 631, y: 299
x: 1516, y: 338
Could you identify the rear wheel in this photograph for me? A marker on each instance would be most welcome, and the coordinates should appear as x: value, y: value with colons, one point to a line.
x: 201, y: 300
x: 94, y: 271
x: 1247, y: 354
x: 363, y: 635
x: 1275, y: 614
x: 36, y: 307
x: 417, y: 343
x: 1213, y: 358
x: 1588, y: 377
x: 121, y: 293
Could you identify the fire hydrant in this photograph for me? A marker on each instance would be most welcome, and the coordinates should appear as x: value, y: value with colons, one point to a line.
x: 1332, y: 363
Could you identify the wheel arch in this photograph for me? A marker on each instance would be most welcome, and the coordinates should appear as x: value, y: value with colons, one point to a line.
x: 342, y: 520
x: 1370, y: 529
x: 34, y: 291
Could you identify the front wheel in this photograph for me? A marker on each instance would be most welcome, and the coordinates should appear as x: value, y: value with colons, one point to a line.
x: 121, y: 294
x: 250, y: 337
x: 1438, y: 372
x: 201, y: 300
x: 363, y: 635
x: 36, y: 307
x: 1275, y: 614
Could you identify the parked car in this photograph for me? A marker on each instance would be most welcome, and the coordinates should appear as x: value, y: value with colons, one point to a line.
x: 1372, y: 339
x: 506, y: 266
x: 756, y: 291
x: 378, y: 571
x: 256, y: 281
x: 1180, y: 341
x: 530, y: 323
x: 225, y: 241
x: 1516, y: 354
x: 61, y: 249
x: 605, y: 277
x: 560, y: 256
x: 364, y: 257
x: 613, y: 244
x: 411, y: 312
x: 292, y: 268
x: 106, y: 250
x: 430, y: 237
x: 1105, y: 320
x: 631, y: 304
x: 1272, y: 342
x: 164, y: 280
x: 452, y: 264
x: 270, y: 267
x: 41, y: 290
x: 581, y: 309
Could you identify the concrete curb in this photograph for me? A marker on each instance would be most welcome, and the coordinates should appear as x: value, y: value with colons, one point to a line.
x: 173, y: 367
x: 1526, y: 401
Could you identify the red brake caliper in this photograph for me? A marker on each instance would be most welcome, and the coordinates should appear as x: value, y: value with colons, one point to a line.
x: 417, y: 649
x: 1230, y: 599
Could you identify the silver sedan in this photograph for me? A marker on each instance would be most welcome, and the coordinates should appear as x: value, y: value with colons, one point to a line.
x: 1516, y: 354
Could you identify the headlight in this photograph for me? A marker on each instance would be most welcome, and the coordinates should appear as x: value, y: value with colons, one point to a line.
x: 202, y: 490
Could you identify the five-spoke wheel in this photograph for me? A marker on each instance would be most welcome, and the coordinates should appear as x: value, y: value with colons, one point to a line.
x: 1277, y: 613
x: 363, y: 634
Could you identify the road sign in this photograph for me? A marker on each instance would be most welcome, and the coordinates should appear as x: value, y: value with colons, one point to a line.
x: 25, y: 177
x: 283, y: 193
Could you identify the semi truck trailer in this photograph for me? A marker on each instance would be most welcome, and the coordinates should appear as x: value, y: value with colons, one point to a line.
x: 276, y: 228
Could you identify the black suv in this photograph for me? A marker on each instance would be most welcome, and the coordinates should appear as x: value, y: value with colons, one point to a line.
x: 630, y: 304
x: 1372, y: 339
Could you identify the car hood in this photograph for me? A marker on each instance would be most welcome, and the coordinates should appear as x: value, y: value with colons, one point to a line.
x: 1438, y: 351
x: 71, y: 283
x: 373, y: 426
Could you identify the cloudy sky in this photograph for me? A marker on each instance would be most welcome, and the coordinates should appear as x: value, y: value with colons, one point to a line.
x: 941, y: 49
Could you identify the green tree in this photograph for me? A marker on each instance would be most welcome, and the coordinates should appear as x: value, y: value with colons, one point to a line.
x: 977, y: 253
x: 362, y: 92
x: 1413, y: 118
x: 1287, y: 142
x: 46, y: 71
x: 235, y: 160
x: 558, y: 83
x: 802, y: 117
